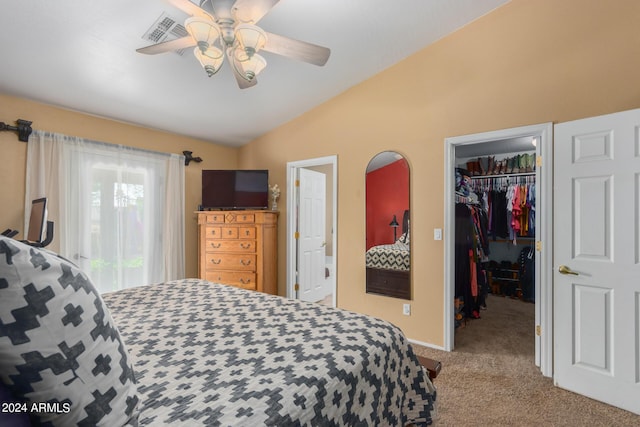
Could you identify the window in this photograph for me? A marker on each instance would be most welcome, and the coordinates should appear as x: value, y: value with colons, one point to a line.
x: 121, y: 212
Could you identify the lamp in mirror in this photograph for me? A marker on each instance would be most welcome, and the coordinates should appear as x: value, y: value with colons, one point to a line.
x: 394, y: 224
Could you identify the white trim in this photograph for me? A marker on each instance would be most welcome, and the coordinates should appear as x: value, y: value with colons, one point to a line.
x: 425, y: 344
x: 292, y: 197
x: 544, y: 229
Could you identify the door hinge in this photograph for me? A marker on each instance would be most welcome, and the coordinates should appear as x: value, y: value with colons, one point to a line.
x: 539, y: 246
x: 296, y: 287
x: 538, y: 161
x: 296, y: 235
x: 297, y: 183
x: 538, y: 330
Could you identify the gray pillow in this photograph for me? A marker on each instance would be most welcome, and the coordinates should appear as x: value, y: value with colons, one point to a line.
x: 59, y: 344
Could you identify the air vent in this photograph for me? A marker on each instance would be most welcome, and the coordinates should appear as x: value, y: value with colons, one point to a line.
x: 165, y: 28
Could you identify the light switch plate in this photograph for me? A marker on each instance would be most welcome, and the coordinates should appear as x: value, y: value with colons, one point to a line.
x: 437, y: 234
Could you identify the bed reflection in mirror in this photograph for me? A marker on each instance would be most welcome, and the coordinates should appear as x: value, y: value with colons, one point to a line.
x: 388, y: 255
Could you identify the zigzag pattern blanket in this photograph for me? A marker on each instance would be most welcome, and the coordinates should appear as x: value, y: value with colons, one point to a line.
x: 210, y: 354
x: 395, y: 256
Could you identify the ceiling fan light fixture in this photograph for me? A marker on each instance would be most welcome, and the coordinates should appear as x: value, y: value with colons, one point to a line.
x: 250, y: 37
x: 203, y: 31
x: 253, y: 66
x: 211, y: 59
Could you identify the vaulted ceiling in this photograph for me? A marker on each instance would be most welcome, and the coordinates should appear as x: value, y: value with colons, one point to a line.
x: 81, y: 55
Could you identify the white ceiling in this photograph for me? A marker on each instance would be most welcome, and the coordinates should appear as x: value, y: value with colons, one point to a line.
x: 81, y: 55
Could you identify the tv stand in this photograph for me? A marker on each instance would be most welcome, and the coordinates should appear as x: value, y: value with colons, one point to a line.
x: 239, y: 248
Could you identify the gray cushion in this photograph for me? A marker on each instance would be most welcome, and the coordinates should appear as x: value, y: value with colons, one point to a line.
x: 58, y: 342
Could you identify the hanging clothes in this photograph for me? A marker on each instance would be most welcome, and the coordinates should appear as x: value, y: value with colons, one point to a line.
x: 471, y: 249
x: 509, y: 203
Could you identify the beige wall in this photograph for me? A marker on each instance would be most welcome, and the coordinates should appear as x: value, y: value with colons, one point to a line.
x: 529, y: 62
x: 47, y: 118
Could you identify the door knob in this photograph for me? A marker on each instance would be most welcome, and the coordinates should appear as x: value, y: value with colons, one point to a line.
x: 563, y: 269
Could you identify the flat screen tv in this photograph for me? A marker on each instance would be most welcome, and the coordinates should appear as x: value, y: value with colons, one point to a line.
x: 235, y: 189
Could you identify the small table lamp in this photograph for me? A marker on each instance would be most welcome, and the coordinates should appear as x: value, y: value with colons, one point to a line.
x: 395, y: 225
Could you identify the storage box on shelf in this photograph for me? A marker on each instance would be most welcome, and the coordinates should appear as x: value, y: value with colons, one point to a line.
x: 239, y: 248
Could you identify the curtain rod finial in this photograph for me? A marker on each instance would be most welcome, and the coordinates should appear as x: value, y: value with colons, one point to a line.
x: 23, y: 129
x: 188, y: 158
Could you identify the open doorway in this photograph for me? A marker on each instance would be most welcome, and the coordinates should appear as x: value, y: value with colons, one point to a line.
x: 505, y: 145
x: 312, y: 231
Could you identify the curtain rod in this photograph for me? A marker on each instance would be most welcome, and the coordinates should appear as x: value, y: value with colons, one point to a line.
x: 23, y: 129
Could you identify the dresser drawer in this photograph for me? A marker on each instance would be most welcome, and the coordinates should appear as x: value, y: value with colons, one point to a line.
x: 231, y: 246
x: 213, y: 232
x: 215, y: 218
x: 229, y: 232
x: 215, y: 261
x: 239, y: 279
x: 246, y: 232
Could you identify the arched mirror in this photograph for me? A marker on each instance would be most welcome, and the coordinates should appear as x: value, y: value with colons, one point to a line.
x: 388, y: 254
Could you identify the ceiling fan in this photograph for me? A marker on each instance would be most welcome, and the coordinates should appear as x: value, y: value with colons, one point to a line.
x: 219, y: 28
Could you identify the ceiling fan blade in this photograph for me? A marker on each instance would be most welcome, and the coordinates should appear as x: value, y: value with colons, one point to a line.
x: 191, y: 9
x: 296, y: 49
x: 221, y: 8
x: 251, y: 11
x: 177, y: 44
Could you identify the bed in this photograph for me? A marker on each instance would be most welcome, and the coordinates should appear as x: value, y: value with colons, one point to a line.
x: 389, y: 266
x: 192, y: 352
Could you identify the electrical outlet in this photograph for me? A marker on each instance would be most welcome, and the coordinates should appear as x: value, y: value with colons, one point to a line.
x: 406, y: 309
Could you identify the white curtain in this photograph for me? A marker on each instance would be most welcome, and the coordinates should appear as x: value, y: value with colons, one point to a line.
x: 118, y: 211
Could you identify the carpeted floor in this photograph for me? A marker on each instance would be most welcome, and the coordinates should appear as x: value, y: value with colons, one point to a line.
x: 490, y: 379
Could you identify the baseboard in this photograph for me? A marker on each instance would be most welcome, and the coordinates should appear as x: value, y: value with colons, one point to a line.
x: 425, y: 344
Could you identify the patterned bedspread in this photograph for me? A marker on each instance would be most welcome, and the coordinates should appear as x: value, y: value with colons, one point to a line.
x: 210, y: 354
x: 395, y: 256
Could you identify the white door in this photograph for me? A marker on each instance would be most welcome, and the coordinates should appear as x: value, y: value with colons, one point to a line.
x: 311, y: 240
x: 597, y: 258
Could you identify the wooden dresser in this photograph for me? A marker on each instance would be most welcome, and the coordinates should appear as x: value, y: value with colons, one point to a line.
x: 239, y: 248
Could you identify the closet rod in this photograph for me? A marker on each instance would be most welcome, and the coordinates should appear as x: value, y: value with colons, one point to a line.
x: 503, y: 175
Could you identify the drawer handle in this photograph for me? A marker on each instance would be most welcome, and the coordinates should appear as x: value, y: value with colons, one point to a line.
x: 216, y: 262
x: 245, y: 282
x: 216, y: 245
x: 229, y: 232
x: 247, y: 246
x: 245, y: 262
x: 247, y: 232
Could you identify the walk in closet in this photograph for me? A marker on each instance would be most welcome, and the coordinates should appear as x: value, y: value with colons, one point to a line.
x: 495, y: 232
